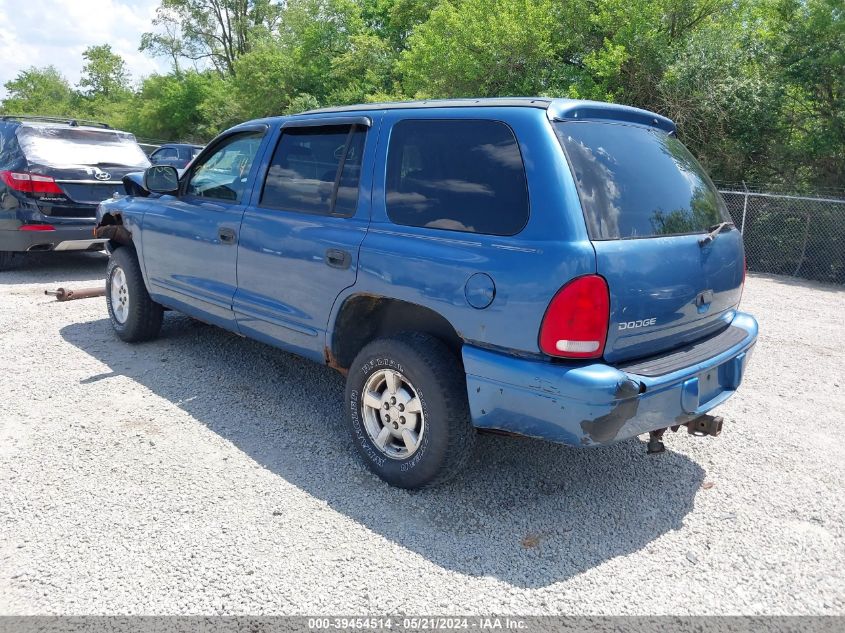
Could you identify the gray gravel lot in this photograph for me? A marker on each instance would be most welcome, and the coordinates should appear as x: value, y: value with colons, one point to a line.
x: 205, y: 473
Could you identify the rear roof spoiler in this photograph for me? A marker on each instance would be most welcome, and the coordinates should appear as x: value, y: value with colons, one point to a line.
x: 573, y: 110
x: 72, y: 122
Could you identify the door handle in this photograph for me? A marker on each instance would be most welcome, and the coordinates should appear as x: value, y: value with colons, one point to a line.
x: 337, y: 258
x: 226, y: 235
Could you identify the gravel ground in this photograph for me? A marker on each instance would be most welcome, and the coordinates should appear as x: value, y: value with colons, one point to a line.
x: 204, y: 473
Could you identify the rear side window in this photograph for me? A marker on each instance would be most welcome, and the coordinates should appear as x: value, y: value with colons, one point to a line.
x: 166, y: 153
x: 637, y: 182
x: 71, y: 147
x: 316, y: 170
x: 460, y: 175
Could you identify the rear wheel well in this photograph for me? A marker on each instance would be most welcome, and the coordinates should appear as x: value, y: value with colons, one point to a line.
x: 363, y: 318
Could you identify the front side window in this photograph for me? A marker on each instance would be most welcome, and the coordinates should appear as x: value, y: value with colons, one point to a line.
x: 316, y: 170
x: 458, y: 175
x: 223, y: 175
x: 637, y: 181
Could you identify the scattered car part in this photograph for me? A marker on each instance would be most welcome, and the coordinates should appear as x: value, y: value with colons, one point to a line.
x: 68, y: 294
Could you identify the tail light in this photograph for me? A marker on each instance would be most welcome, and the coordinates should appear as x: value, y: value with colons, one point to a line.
x: 30, y: 183
x: 36, y: 227
x: 576, y: 321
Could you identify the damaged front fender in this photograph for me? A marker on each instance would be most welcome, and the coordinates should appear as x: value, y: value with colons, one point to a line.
x: 110, y: 226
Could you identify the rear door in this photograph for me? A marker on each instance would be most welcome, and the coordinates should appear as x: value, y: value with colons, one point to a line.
x: 191, y: 240
x: 648, y: 206
x: 300, y: 236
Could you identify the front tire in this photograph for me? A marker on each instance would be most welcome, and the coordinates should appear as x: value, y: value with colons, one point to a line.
x: 407, y: 410
x: 133, y: 314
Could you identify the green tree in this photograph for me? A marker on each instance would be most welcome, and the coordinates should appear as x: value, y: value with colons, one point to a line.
x: 755, y: 86
x: 313, y: 34
x: 219, y: 31
x: 481, y: 48
x: 392, y: 21
x: 104, y: 73
x: 39, y: 91
x: 812, y: 58
x: 104, y: 91
x: 264, y: 82
x: 169, y: 107
x: 365, y: 71
x: 727, y: 99
x: 628, y: 46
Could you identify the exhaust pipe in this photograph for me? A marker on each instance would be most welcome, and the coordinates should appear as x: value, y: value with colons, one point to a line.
x: 705, y: 425
x: 66, y: 294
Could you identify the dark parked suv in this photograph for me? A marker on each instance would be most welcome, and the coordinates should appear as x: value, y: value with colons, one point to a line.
x: 176, y: 155
x: 53, y: 173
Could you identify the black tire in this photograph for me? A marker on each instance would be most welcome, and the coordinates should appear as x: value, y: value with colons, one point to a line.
x: 9, y: 259
x: 435, y: 374
x: 143, y: 315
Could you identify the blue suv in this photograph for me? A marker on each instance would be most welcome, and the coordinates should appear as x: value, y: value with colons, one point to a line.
x: 552, y: 268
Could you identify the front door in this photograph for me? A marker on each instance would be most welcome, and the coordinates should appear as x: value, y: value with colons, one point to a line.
x: 300, y: 235
x: 191, y: 240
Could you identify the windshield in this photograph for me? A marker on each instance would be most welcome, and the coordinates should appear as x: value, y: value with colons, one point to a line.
x: 71, y: 147
x: 638, y: 182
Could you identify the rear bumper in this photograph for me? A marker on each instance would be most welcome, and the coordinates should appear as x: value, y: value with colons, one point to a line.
x: 585, y: 405
x: 64, y: 238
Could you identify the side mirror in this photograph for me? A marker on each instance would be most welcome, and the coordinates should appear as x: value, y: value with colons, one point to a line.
x: 161, y: 179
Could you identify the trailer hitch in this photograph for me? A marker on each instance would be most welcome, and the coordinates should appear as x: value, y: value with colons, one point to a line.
x: 705, y: 425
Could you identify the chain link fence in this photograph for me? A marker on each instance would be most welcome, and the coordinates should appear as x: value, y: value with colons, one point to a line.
x: 800, y: 236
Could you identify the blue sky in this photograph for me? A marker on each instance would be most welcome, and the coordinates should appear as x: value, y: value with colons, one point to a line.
x: 42, y: 32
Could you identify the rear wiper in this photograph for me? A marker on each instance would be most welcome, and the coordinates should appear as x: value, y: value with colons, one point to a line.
x: 714, y: 232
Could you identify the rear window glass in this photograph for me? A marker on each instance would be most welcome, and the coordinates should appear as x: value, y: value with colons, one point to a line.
x: 71, y: 147
x: 460, y: 175
x: 638, y: 182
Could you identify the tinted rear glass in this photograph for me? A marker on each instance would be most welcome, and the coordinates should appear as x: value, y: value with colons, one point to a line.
x: 303, y: 174
x: 638, y: 182
x: 72, y: 147
x: 460, y: 175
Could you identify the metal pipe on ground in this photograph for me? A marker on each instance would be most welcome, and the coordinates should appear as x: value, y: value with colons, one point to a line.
x: 68, y: 294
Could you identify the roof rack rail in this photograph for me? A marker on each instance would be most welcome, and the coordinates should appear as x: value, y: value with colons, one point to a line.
x: 71, y: 121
